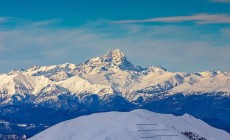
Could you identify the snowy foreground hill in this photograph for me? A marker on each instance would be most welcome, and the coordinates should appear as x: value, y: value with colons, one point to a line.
x: 134, y: 125
x: 29, y: 98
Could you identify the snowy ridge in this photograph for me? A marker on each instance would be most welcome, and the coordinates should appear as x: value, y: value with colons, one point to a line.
x: 111, y: 73
x: 134, y: 125
x: 78, y: 85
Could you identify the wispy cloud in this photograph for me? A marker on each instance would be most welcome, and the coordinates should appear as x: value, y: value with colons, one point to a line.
x: 225, y: 32
x: 46, y: 22
x: 18, y: 22
x: 197, y: 18
x: 220, y: 1
x: 174, y: 47
x: 4, y: 19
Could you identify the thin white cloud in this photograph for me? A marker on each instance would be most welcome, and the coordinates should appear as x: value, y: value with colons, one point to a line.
x: 4, y: 19
x: 225, y: 32
x: 174, y: 47
x: 220, y: 1
x: 46, y: 22
x: 197, y: 18
x: 18, y: 22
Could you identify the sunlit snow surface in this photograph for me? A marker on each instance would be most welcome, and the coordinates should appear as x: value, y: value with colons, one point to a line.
x: 134, y: 125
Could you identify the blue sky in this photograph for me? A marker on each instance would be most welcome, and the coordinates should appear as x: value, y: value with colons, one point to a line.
x: 191, y: 35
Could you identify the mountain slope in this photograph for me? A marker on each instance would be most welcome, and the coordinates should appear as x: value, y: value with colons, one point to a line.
x: 135, y: 125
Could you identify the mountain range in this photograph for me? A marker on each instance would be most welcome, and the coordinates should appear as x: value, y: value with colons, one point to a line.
x: 41, y: 96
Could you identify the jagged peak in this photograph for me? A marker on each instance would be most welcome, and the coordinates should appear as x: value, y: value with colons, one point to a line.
x: 34, y: 67
x: 117, y: 53
x: 110, y: 59
x: 157, y: 69
x: 115, y: 56
x: 16, y: 71
x: 50, y: 67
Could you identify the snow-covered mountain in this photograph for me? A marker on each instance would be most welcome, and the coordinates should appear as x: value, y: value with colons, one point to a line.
x: 134, y: 125
x: 110, y: 74
x: 110, y: 83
